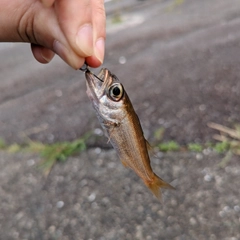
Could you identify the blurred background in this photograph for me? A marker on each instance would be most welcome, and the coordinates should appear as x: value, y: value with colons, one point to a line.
x: 179, y: 61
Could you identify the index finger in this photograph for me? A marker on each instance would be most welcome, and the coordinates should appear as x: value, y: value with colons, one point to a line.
x: 75, y: 19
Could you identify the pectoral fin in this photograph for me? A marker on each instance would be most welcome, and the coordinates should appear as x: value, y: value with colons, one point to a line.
x: 149, y: 147
x: 124, y: 163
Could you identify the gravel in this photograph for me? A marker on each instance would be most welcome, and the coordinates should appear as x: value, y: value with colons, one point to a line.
x: 93, y: 196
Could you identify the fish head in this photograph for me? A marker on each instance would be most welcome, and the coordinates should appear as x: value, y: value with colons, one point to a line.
x: 107, y: 94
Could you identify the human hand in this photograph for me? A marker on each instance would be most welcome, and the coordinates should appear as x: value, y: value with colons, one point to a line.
x: 73, y: 29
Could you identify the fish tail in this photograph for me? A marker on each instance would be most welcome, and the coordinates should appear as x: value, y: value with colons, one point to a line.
x: 155, y: 186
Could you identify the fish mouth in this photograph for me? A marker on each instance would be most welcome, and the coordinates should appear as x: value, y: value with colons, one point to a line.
x: 97, y: 84
x: 96, y: 80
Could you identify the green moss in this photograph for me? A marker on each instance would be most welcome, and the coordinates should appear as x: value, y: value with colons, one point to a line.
x: 221, y: 147
x: 158, y: 134
x: 2, y: 144
x: 14, y: 148
x: 169, y: 146
x: 195, y: 147
x: 50, y: 153
x: 59, y: 151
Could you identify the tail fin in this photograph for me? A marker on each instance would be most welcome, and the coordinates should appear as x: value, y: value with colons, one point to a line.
x: 155, y: 186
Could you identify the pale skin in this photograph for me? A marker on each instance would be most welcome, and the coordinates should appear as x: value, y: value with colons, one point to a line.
x: 73, y: 29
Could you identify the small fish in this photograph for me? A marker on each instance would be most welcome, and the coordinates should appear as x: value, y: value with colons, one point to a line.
x: 122, y: 126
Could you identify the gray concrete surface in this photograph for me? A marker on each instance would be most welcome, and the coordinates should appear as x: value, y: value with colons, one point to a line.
x: 184, y: 58
x: 180, y: 66
x: 94, y: 197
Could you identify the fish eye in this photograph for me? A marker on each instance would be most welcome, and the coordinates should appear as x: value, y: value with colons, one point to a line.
x: 116, y: 92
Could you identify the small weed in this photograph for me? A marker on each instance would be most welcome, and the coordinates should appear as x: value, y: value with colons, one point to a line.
x: 229, y: 141
x: 221, y: 147
x: 35, y: 147
x: 169, y: 146
x: 50, y: 153
x: 195, y: 147
x: 229, y: 138
x: 117, y: 18
x: 158, y: 134
x: 59, y: 152
x: 2, y: 144
x: 14, y: 148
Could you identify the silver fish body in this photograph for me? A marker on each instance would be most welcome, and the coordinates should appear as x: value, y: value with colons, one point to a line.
x: 122, y: 126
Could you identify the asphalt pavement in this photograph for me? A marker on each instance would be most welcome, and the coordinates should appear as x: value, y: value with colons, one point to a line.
x: 179, y: 62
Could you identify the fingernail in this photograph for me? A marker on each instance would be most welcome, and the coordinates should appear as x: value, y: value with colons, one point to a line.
x: 46, y: 58
x: 47, y: 54
x: 85, y: 39
x: 99, y: 49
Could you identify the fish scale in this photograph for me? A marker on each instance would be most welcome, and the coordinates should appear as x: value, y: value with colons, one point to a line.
x: 122, y: 126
